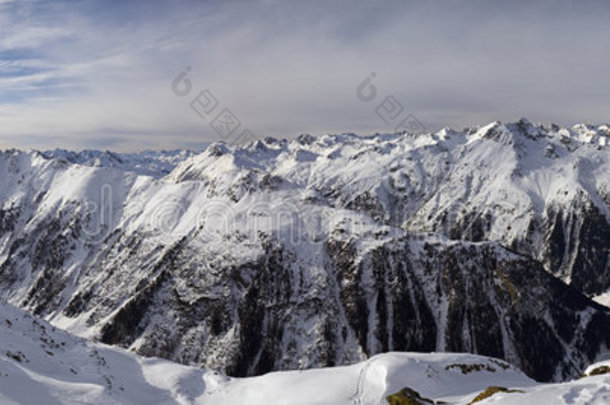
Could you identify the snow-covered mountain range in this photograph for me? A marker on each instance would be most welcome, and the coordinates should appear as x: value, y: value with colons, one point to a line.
x: 41, y: 364
x: 149, y: 163
x: 322, y: 251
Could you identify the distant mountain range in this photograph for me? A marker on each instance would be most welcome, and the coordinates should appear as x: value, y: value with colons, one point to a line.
x: 147, y: 163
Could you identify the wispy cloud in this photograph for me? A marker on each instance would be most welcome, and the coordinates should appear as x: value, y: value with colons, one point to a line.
x: 74, y: 73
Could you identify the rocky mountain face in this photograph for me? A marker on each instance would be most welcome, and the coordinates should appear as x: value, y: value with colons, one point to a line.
x: 324, y: 250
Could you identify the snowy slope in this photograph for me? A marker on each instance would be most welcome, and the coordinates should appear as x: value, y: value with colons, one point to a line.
x: 41, y: 364
x: 445, y: 378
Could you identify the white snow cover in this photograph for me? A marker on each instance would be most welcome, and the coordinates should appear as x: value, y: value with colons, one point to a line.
x: 40, y: 364
x: 603, y: 299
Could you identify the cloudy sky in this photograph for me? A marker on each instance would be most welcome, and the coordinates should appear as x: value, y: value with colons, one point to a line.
x: 99, y: 74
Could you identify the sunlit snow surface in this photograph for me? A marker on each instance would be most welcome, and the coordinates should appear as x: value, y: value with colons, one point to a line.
x: 40, y: 364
